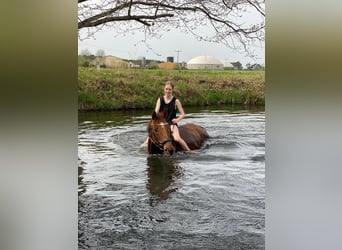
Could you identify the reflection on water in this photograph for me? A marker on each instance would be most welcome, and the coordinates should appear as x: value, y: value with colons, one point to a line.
x: 81, y: 186
x: 163, y: 174
x: 211, y: 200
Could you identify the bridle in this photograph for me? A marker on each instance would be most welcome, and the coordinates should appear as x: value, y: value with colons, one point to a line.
x: 158, y: 144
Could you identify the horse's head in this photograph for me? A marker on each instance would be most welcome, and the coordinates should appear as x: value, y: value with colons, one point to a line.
x: 159, y: 133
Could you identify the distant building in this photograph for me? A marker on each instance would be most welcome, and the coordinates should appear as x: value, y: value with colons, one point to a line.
x: 143, y: 62
x: 133, y: 65
x: 205, y: 62
x: 166, y: 65
x: 227, y: 65
x: 169, y: 59
x: 114, y: 62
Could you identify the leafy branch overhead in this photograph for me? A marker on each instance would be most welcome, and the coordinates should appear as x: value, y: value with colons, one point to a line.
x: 235, y: 23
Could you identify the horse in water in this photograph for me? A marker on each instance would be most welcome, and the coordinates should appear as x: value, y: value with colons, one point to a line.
x: 160, y: 140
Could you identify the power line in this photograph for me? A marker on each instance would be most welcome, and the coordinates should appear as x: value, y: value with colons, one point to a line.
x: 178, y: 55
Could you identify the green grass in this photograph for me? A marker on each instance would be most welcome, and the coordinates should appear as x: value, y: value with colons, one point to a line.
x: 115, y: 89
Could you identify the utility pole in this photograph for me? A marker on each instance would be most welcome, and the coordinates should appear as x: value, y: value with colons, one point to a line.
x: 178, y: 55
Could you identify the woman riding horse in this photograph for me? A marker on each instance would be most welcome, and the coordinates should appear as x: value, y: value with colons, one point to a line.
x: 161, y: 137
x: 170, y: 103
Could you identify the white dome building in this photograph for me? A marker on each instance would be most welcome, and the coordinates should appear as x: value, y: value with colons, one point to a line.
x: 204, y: 62
x: 227, y: 65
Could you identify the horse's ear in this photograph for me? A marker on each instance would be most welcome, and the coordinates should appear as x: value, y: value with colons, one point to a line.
x: 154, y: 115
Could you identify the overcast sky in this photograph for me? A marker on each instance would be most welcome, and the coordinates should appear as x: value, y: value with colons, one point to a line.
x: 131, y: 46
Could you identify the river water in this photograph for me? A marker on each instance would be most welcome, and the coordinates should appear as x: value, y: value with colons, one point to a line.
x: 211, y: 199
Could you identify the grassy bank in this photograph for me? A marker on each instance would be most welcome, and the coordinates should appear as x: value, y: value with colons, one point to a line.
x: 114, y: 89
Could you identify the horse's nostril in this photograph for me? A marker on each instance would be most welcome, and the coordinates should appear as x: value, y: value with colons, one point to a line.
x: 168, y: 151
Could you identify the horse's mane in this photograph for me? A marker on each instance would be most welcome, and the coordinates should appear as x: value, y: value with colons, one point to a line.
x: 158, y: 117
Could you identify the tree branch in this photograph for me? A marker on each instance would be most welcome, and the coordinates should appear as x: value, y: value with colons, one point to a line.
x: 123, y: 18
x: 226, y: 17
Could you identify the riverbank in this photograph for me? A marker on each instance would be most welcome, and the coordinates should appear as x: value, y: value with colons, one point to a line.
x: 119, y: 89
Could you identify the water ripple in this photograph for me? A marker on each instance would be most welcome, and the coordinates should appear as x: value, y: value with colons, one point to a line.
x: 214, y: 199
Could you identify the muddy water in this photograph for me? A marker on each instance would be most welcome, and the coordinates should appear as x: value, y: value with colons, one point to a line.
x: 213, y: 199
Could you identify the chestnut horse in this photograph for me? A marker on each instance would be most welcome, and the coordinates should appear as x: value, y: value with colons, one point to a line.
x: 160, y: 140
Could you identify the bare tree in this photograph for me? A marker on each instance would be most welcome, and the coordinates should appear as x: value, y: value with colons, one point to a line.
x: 100, y: 55
x: 231, y: 21
x: 85, y: 52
